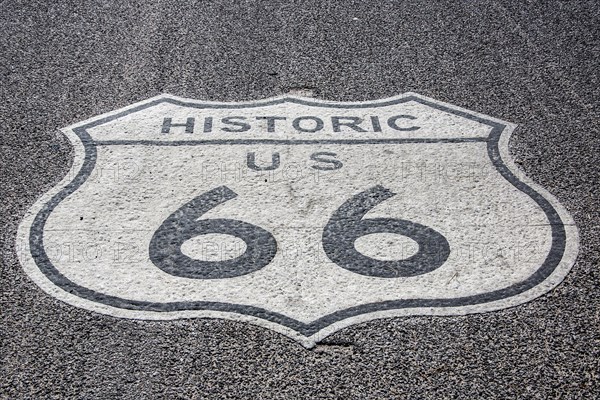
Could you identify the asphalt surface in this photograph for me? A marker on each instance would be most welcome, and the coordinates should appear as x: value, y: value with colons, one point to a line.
x: 531, y: 63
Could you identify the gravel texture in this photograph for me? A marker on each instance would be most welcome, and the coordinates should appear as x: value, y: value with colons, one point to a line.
x: 533, y: 63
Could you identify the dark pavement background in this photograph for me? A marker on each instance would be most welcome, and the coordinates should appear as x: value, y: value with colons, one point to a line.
x: 534, y: 63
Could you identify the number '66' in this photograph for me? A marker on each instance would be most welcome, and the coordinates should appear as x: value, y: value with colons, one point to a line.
x: 344, y: 227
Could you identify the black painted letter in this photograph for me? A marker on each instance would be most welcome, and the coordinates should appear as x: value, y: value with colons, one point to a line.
x: 317, y: 121
x: 353, y: 123
x: 271, y: 122
x: 393, y: 123
x: 168, y: 124
x: 241, y: 126
x: 318, y: 156
x: 251, y: 162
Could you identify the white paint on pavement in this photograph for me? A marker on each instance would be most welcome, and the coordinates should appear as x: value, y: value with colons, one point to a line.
x: 301, y: 215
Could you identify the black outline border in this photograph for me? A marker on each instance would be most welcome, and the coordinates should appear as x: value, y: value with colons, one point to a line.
x: 47, y: 268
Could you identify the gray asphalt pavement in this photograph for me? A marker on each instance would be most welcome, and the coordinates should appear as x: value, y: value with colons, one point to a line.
x: 532, y: 63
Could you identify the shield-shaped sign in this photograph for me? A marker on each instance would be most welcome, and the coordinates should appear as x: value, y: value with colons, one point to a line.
x: 300, y: 215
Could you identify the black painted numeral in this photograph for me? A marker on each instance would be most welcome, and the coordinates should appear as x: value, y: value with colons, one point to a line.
x: 347, y: 224
x: 183, y: 224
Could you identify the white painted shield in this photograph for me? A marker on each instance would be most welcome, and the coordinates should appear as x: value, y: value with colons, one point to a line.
x: 301, y: 215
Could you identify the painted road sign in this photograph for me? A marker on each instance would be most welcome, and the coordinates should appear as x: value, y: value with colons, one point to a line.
x: 300, y: 215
